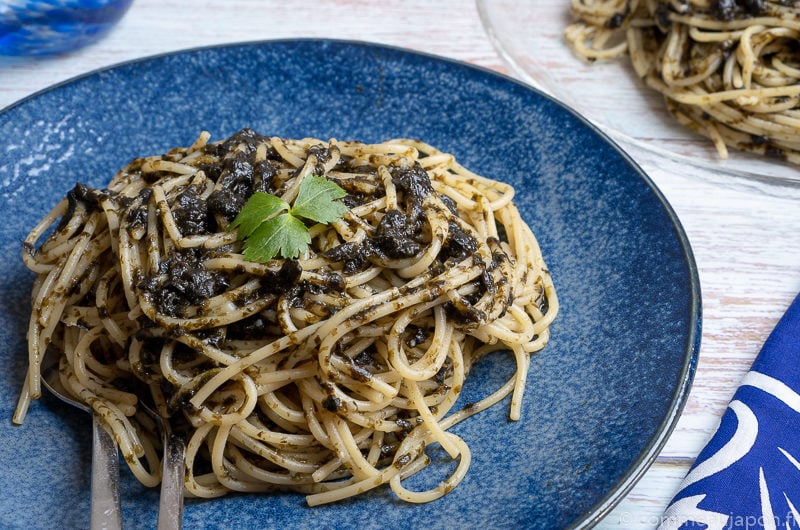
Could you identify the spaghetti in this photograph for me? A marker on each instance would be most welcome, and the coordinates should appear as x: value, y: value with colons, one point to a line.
x: 728, y: 69
x: 328, y: 374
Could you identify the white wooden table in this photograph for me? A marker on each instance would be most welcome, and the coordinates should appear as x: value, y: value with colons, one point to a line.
x: 745, y: 234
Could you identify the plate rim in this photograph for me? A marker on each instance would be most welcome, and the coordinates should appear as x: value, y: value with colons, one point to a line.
x: 691, y: 349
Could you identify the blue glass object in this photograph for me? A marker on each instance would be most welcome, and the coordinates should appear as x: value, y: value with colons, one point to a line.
x: 50, y: 27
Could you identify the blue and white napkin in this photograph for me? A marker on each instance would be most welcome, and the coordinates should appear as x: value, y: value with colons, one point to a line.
x: 748, y: 476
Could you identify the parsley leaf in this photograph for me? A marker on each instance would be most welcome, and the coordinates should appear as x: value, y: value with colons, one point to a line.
x: 260, y: 207
x: 316, y: 200
x: 284, y: 235
x: 270, y: 227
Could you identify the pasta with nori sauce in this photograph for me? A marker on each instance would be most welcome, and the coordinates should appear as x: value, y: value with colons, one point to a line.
x: 728, y: 69
x: 328, y: 374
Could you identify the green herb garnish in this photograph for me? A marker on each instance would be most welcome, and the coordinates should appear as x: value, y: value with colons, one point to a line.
x: 270, y: 226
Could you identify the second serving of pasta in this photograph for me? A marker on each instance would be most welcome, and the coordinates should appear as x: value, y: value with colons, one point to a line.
x: 728, y: 69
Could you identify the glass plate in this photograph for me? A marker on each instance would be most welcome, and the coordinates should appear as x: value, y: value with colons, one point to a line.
x: 529, y: 36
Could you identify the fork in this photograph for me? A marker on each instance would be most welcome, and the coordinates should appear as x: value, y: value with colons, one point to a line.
x: 106, y: 512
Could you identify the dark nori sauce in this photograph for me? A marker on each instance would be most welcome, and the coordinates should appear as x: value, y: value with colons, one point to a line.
x: 732, y: 9
x: 332, y: 403
x: 396, y: 236
x: 80, y: 194
x: 353, y: 256
x: 191, y: 213
x: 662, y: 16
x: 239, y: 174
x: 136, y: 214
x: 458, y: 245
x: 181, y: 281
x: 415, y: 335
x: 413, y: 180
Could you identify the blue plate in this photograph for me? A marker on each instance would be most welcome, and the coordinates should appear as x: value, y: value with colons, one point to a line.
x: 602, y: 397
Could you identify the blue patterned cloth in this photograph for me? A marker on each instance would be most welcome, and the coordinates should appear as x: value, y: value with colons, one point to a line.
x: 748, y: 476
x: 46, y: 27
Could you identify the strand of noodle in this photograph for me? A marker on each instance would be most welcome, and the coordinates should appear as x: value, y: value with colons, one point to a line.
x: 439, y: 230
x: 113, y: 329
x: 290, y: 194
x: 128, y: 263
x: 279, y: 439
x: 429, y: 364
x: 384, y: 391
x: 746, y: 55
x: 56, y: 301
x: 282, y: 148
x: 169, y: 224
x: 786, y: 69
x: 200, y: 142
x: 281, y: 409
x: 156, y: 165
x: 641, y: 59
x: 552, y: 310
x: 262, y: 353
x: 168, y: 370
x: 352, y: 489
x: 361, y: 486
x: 326, y: 470
x: 389, y: 188
x: 479, y: 406
x: 699, y: 35
x: 520, y: 378
x: 674, y: 46
x: 456, y: 381
x: 441, y: 489
x: 97, y: 368
x: 29, y: 244
x: 314, y: 424
x: 734, y: 24
x: 153, y: 240
x: 149, y: 476
x: 488, y: 213
x: 375, y: 448
x: 231, y: 418
x: 112, y: 419
x: 57, y: 247
x: 260, y: 474
x: 36, y: 341
x: 286, y: 376
x: 362, y: 151
x: 206, y: 349
x: 227, y: 474
x: 346, y: 448
x: 212, y: 488
x: 433, y: 426
x: 24, y: 400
